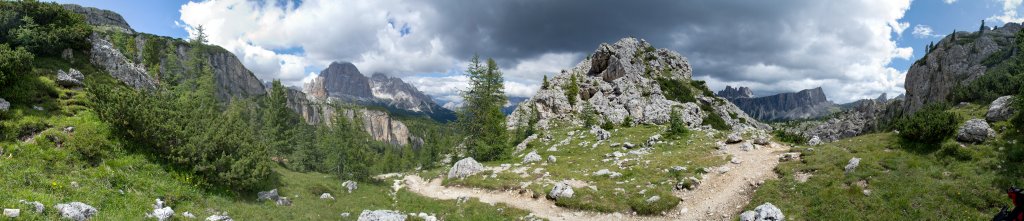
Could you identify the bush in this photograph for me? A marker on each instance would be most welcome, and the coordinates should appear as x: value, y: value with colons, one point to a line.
x: 930, y: 125
x: 786, y: 136
x: 676, y: 127
x: 676, y: 90
x: 14, y: 62
x: 43, y: 28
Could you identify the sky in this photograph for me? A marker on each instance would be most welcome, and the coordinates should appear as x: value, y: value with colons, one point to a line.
x: 852, y: 49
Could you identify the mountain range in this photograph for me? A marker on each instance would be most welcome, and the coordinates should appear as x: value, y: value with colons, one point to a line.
x: 804, y: 104
x: 343, y: 81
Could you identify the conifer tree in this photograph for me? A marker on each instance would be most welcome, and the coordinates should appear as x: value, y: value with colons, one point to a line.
x: 545, y: 85
x: 481, y: 117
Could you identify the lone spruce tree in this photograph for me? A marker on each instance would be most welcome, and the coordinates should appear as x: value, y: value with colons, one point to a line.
x: 481, y: 118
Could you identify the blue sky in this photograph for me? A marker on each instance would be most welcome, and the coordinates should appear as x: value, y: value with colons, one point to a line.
x: 427, y: 42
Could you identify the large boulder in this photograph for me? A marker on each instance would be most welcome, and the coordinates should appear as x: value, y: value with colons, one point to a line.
x: 464, y: 168
x: 734, y: 138
x: 76, y: 211
x: 975, y: 131
x: 1000, y: 109
x: 268, y: 195
x: 71, y: 78
x: 381, y: 215
x: 531, y: 157
x: 814, y: 141
x: 561, y: 190
x: 764, y: 212
x: 12, y: 213
x: 219, y: 218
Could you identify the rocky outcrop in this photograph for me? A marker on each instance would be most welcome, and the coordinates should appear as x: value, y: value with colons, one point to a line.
x: 738, y: 92
x: 1000, y: 109
x: 621, y: 81
x: 975, y: 131
x: 561, y: 190
x: 382, y: 215
x: 101, y: 18
x: 764, y: 212
x: 956, y: 59
x: 864, y: 116
x: 111, y: 60
x: 231, y: 77
x: 381, y: 126
x: 464, y: 168
x: 343, y: 81
x: 399, y: 94
x: 71, y: 78
x: 805, y: 104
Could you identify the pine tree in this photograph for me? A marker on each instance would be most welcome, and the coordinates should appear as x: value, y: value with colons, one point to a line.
x: 982, y: 28
x: 676, y: 127
x: 545, y: 85
x: 572, y: 89
x: 481, y: 117
x: 278, y: 121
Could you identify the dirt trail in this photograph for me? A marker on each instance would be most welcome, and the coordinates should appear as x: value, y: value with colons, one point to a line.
x: 720, y: 196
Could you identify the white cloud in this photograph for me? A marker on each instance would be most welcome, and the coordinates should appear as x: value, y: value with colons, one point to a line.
x: 924, y: 31
x: 949, y: 1
x: 1009, y: 12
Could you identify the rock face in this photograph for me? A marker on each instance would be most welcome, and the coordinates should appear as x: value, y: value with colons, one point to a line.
x: 464, y: 168
x: 343, y: 79
x: 381, y: 215
x: 1000, y: 109
x: 738, y: 92
x: 404, y: 96
x: 975, y: 131
x: 232, y: 78
x: 76, y: 211
x: 100, y: 17
x: 805, y: 104
x: 110, y: 59
x: 379, y: 124
x: 955, y: 60
x: 764, y: 212
x: 621, y: 81
x: 382, y: 128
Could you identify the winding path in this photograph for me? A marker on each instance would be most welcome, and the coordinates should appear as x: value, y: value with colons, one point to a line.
x: 721, y: 196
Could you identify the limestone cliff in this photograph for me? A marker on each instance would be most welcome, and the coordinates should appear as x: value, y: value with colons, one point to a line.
x: 805, y: 104
x: 857, y: 118
x: 343, y: 81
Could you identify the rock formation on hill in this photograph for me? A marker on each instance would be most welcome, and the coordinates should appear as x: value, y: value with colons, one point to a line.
x: 805, y: 104
x: 101, y: 18
x: 956, y: 59
x: 624, y: 81
x: 859, y: 117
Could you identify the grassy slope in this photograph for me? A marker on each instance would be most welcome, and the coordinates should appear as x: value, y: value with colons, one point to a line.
x: 949, y: 183
x: 122, y: 180
x: 648, y: 172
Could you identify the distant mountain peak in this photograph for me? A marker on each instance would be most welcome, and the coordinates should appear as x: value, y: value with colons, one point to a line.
x: 343, y: 80
x: 737, y: 92
x: 803, y: 104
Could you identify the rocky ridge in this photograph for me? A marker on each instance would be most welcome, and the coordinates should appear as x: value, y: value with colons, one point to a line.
x: 343, y: 81
x: 863, y: 116
x: 621, y: 81
x: 805, y: 104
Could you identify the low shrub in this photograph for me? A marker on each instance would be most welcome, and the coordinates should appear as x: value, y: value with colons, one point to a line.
x: 930, y: 125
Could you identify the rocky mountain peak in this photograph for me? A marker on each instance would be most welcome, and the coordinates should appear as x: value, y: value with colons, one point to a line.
x: 624, y: 81
x: 101, y: 17
x: 343, y: 79
x: 738, y: 92
x: 804, y: 104
x: 401, y: 94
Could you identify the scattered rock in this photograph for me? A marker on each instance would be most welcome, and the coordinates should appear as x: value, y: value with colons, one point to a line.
x: 426, y: 217
x: 764, y: 212
x: 38, y: 108
x: 975, y: 131
x: 814, y: 141
x: 801, y: 177
x: 616, y: 154
x: 653, y: 199
x: 71, y: 78
x: 188, y: 215
x: 382, y: 215
x: 734, y: 138
x: 36, y: 205
x: 601, y: 134
x: 1000, y: 109
x: 723, y: 169
x: 561, y: 190
x: 268, y: 195
x: 607, y: 172
x: 689, y: 183
x: 790, y: 156
x: 219, y: 218
x: 628, y: 145
x: 462, y: 199
x: 12, y: 213
x: 464, y: 168
x: 284, y: 201
x: 326, y: 196
x: 345, y: 214
x: 678, y: 168
x: 653, y: 140
x: 73, y: 183
x: 852, y: 165
x: 522, y: 145
x: 76, y: 211
x: 551, y: 159
x: 745, y: 146
x: 350, y: 185
x: 531, y: 157
x: 761, y: 140
x: 4, y: 105
x: 735, y: 161
x: 160, y: 211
